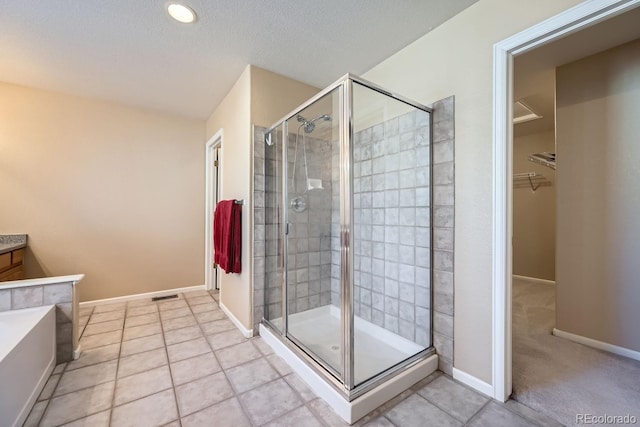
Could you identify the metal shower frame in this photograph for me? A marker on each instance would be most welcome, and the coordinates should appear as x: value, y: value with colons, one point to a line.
x: 345, y: 382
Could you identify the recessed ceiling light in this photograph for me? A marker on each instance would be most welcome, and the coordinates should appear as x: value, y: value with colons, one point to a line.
x: 181, y: 13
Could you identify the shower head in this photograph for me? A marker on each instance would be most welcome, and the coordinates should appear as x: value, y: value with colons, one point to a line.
x: 310, y: 125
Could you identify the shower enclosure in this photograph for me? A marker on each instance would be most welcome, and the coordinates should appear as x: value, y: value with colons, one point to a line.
x: 348, y: 235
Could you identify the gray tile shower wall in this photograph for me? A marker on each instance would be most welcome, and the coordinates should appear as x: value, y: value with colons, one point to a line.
x: 443, y: 231
x: 392, y: 239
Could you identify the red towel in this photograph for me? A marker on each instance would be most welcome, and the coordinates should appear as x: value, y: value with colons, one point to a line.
x: 227, y: 236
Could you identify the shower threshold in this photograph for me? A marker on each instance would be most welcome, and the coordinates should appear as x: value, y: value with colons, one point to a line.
x: 376, y: 349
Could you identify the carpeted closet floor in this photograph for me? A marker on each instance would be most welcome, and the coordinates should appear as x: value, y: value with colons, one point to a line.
x: 561, y: 378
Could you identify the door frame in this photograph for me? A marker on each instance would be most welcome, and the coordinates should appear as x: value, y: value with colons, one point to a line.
x: 215, y: 142
x: 572, y: 20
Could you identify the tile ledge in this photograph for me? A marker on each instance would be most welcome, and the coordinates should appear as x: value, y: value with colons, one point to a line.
x: 75, y: 279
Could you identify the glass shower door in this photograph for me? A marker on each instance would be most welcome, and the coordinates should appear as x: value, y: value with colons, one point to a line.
x: 313, y: 231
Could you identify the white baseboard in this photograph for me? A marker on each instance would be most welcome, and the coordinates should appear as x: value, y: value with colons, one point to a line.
x: 622, y: 351
x: 141, y: 296
x: 473, y: 382
x: 534, y: 279
x: 248, y: 333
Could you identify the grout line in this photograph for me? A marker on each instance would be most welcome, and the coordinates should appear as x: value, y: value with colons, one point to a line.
x: 477, y: 414
x: 236, y: 395
x: 115, y: 383
x: 173, y: 385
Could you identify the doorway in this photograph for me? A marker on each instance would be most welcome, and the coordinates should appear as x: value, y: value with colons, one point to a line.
x: 213, y: 194
x: 584, y: 20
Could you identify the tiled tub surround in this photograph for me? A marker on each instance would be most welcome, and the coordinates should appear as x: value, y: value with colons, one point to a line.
x: 182, y: 362
x: 60, y: 291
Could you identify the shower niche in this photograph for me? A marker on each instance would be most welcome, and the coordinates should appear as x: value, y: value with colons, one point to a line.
x: 348, y: 291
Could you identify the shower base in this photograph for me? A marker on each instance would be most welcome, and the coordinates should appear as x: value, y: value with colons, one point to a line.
x: 375, y: 348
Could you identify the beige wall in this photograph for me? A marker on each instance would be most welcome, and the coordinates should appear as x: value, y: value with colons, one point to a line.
x: 456, y: 58
x: 598, y: 106
x: 233, y: 117
x: 261, y: 97
x: 102, y: 189
x: 273, y: 96
x: 534, y: 213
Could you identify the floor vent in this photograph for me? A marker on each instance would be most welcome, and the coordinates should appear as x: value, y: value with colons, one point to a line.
x: 164, y: 297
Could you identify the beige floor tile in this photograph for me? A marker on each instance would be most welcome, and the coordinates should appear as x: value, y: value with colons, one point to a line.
x: 210, y: 316
x: 262, y: 346
x: 141, y: 362
x: 228, y: 413
x: 323, y: 411
x: 100, y: 419
x: 105, y: 308
x: 204, y: 299
x: 281, y: 366
x: 99, y: 340
x: 217, y: 327
x: 298, y: 417
x: 140, y: 345
x: 143, y: 384
x: 237, y: 354
x: 140, y: 310
x: 79, y: 404
x: 154, y: 410
x: 51, y: 384
x: 298, y: 384
x: 33, y: 420
x: 201, y: 308
x: 183, y: 334
x: 194, y: 368
x: 172, y: 305
x: 86, y: 311
x: 225, y: 339
x: 105, y: 317
x: 456, y: 399
x: 88, y: 376
x: 415, y: 410
x: 175, y: 423
x: 96, y: 355
x: 178, y: 322
x: 201, y: 393
x: 143, y: 319
x: 251, y: 375
x: 379, y: 422
x: 102, y: 327
x: 270, y: 401
x: 178, y: 312
x: 59, y: 368
x: 141, y: 331
x: 187, y: 349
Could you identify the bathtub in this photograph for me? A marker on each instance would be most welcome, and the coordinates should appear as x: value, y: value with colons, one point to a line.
x: 27, y: 358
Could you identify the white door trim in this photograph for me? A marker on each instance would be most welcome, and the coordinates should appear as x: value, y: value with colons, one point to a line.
x: 212, y: 144
x: 575, y: 19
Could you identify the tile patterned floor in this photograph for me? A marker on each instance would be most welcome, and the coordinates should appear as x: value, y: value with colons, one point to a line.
x: 181, y: 362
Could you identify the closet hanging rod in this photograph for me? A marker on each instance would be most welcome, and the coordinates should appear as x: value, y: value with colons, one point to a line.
x: 518, y: 176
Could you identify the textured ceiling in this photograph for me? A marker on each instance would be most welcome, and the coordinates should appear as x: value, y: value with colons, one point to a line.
x: 132, y: 52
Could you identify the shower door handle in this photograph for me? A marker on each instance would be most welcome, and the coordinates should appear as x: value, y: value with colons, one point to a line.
x: 287, y: 228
